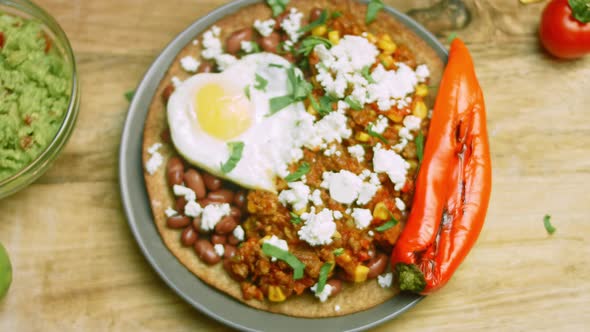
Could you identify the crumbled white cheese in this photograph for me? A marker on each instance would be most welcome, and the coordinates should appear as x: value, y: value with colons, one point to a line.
x: 357, y: 151
x: 362, y: 218
x: 380, y: 125
x: 371, y: 233
x: 264, y: 28
x: 387, y: 161
x: 331, y: 150
x: 212, y: 214
x: 297, y: 196
x: 292, y: 24
x: 176, y: 81
x: 316, y: 198
x: 277, y: 242
x: 385, y: 280
x: 196, y: 42
x: 219, y: 249
x: 336, y: 308
x: 188, y: 193
x: 156, y: 159
x: 422, y: 73
x: 170, y: 212
x: 247, y: 46
x: 318, y: 228
x: 412, y: 122
x: 224, y: 61
x: 337, y: 214
x: 239, y: 233
x: 344, y: 186
x: 193, y: 209
x: 331, y: 128
x: 391, y: 87
x: 189, y: 63
x: 212, y: 46
x: 323, y: 296
x: 400, y: 205
x: 288, y: 46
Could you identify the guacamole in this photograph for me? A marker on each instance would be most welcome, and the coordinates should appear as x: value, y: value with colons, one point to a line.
x: 35, y: 84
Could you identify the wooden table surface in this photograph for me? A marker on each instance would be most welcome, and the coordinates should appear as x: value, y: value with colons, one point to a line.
x: 77, y: 267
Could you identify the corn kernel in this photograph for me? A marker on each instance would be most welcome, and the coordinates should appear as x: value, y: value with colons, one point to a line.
x: 360, y: 273
x: 381, y: 211
x: 386, y: 60
x: 370, y: 37
x: 301, y: 211
x: 420, y: 110
x: 362, y: 136
x: 413, y: 164
x: 311, y: 110
x: 397, y: 127
x: 334, y: 37
x: 395, y: 117
x: 319, y: 31
x: 345, y: 258
x: 275, y: 294
x: 388, y: 47
x: 261, y: 241
x: 385, y: 36
x: 422, y: 90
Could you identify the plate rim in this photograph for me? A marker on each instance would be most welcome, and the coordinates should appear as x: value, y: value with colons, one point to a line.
x: 130, y: 172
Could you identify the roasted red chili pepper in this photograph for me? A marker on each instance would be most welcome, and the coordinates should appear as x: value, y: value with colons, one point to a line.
x: 453, y: 185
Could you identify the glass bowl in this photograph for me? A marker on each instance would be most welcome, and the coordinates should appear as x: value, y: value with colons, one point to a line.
x: 42, y: 162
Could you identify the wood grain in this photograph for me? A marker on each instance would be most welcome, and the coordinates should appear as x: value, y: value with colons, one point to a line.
x: 76, y: 265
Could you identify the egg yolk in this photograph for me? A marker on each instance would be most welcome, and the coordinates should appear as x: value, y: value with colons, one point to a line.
x: 222, y: 113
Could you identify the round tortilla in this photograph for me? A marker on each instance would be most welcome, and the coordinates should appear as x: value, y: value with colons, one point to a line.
x: 353, y: 297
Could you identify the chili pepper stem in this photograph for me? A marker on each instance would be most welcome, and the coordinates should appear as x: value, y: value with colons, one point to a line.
x: 410, y: 278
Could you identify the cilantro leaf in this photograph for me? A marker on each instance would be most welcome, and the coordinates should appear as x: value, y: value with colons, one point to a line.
x: 129, y: 95
x: 580, y: 10
x: 355, y: 105
x: 278, y: 253
x: 547, y: 223
x: 323, y: 278
x: 261, y: 83
x: 278, y: 103
x: 297, y: 90
x: 338, y: 252
x: 374, y: 7
x: 336, y: 14
x: 301, y: 171
x: 277, y: 6
x: 276, y: 65
x: 295, y: 219
x: 376, y: 134
x: 420, y: 146
x: 367, y: 74
x: 389, y: 224
x: 323, y: 107
x: 320, y: 21
x: 235, y: 154
x: 309, y: 43
x: 247, y: 91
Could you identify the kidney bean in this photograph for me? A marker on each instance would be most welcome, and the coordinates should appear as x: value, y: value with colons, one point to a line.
x: 178, y: 221
x: 270, y: 43
x: 240, y: 199
x: 180, y: 204
x: 167, y: 92
x: 212, y: 183
x: 231, y: 239
x: 279, y: 19
x: 226, y: 225
x: 336, y: 286
x: 205, y: 251
x: 227, y: 268
x: 197, y: 225
x: 205, y: 67
x: 193, y: 180
x: 234, y: 41
x: 221, y: 196
x: 377, y: 265
x: 236, y: 213
x: 229, y: 251
x: 175, y: 170
x: 218, y: 239
x: 315, y: 13
x: 189, y: 236
x: 204, y: 202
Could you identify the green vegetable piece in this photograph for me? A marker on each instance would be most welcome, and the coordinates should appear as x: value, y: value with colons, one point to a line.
x: 261, y: 83
x: 355, y: 105
x: 409, y: 278
x: 367, y: 74
x: 295, y: 219
x: 338, y: 252
x: 129, y: 95
x: 247, y: 91
x: 5, y: 272
x: 278, y: 103
x: 580, y: 10
x: 276, y: 65
x: 321, y: 20
x: 452, y: 37
x: 324, y: 271
x: 420, y: 146
x: 391, y: 223
x: 548, y: 227
x: 277, y: 6
x: 376, y: 134
x: 336, y: 14
x: 374, y: 7
x: 235, y: 154
x: 310, y: 42
x: 297, y: 90
x: 301, y: 171
x: 278, y: 253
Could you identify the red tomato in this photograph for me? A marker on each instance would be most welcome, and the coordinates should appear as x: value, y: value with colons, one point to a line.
x: 561, y: 34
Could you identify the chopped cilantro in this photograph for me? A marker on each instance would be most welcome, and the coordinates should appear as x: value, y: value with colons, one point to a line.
x: 548, y: 227
x: 376, y: 134
x: 295, y: 219
x: 367, y: 74
x: 309, y: 43
x: 277, y: 6
x: 420, y: 146
x: 336, y: 14
x: 338, y: 252
x: 129, y: 95
x: 276, y: 65
x: 261, y: 83
x: 278, y: 253
x: 389, y: 224
x: 247, y: 91
x: 355, y: 105
x: 297, y: 90
x: 235, y: 154
x: 324, y: 106
x: 323, y: 278
x: 374, y: 7
x: 320, y: 21
x: 278, y: 103
x: 301, y: 171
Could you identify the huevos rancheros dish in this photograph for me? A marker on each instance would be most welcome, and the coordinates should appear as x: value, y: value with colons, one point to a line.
x: 281, y: 152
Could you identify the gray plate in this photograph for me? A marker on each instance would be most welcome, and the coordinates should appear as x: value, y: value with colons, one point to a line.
x: 136, y: 203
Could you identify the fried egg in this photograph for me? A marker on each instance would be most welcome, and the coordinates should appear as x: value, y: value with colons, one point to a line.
x: 207, y: 111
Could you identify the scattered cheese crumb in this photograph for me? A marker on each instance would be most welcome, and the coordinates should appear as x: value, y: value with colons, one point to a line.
x: 156, y: 159
x: 422, y: 73
x: 170, y: 212
x: 357, y: 151
x: 176, y: 81
x: 344, y: 186
x: 316, y: 198
x: 188, y: 193
x: 387, y: 161
x: 385, y: 280
x: 239, y: 233
x: 362, y: 218
x: 212, y: 214
x: 323, y: 296
x: 381, y: 124
x: 224, y: 61
x: 247, y: 46
x: 297, y: 196
x: 193, y: 209
x: 212, y: 46
x: 337, y: 308
x: 264, y: 28
x: 190, y: 64
x: 371, y: 233
x: 219, y: 249
x: 318, y: 228
x: 292, y: 24
x: 400, y: 204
